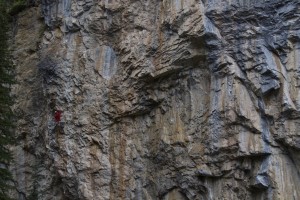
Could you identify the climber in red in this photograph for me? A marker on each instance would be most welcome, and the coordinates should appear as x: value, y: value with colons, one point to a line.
x: 57, y: 116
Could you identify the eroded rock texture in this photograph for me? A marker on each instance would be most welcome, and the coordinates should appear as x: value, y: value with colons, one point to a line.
x: 160, y: 99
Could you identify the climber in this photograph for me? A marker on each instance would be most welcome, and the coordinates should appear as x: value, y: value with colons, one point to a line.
x: 57, y: 116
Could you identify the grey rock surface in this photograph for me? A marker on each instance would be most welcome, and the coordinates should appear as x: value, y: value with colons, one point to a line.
x: 167, y: 99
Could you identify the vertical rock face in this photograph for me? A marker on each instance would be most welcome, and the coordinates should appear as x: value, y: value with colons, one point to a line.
x: 171, y: 99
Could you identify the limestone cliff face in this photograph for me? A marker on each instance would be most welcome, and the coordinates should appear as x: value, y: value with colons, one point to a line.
x: 160, y: 99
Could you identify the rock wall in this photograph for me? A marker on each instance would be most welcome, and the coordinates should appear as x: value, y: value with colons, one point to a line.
x: 170, y: 99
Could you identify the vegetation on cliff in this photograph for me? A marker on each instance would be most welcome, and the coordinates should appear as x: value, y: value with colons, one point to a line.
x: 6, y: 115
x: 17, y: 6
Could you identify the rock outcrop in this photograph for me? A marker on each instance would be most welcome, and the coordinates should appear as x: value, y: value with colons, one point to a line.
x: 171, y: 99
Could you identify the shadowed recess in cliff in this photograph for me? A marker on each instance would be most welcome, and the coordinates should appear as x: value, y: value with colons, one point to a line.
x: 48, y: 69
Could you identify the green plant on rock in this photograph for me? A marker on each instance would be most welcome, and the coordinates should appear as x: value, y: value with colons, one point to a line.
x: 6, y: 115
x: 17, y: 7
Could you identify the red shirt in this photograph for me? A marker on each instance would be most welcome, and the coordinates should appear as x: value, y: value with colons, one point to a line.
x: 57, y: 116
